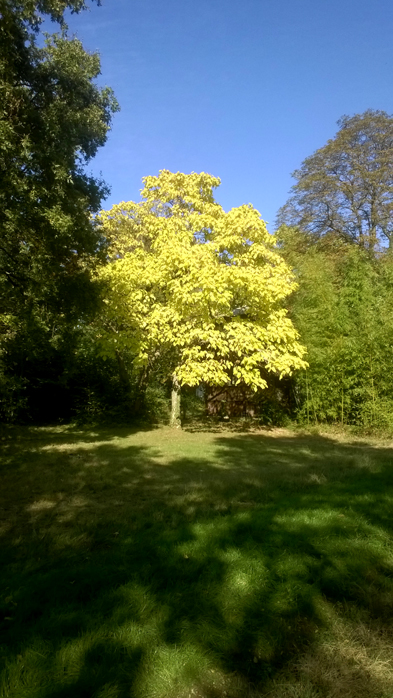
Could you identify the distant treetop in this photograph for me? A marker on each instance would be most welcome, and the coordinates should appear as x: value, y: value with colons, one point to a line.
x: 346, y: 187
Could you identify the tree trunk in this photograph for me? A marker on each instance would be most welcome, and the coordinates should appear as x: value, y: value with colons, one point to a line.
x: 175, y: 411
x: 123, y: 375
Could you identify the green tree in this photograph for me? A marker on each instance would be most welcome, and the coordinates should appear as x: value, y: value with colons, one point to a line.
x: 345, y: 189
x: 343, y: 310
x: 53, y: 118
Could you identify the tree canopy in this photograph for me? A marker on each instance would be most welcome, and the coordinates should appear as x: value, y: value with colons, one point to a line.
x: 345, y: 189
x: 184, y: 293
x: 53, y: 118
x: 203, y: 287
x: 31, y: 12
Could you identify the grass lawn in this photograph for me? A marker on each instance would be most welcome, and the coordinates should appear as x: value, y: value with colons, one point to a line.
x: 195, y: 564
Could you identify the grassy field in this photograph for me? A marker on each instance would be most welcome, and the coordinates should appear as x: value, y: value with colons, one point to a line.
x: 195, y: 564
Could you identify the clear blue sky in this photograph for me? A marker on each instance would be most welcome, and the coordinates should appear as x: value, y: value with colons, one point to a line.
x: 243, y: 90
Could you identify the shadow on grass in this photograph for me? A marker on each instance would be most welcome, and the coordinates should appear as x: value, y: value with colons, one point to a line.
x: 191, y: 565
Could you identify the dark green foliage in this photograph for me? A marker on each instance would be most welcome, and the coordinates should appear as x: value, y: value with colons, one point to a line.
x: 31, y: 11
x: 98, y: 393
x: 53, y: 118
x: 52, y: 122
x: 276, y: 405
x: 46, y: 381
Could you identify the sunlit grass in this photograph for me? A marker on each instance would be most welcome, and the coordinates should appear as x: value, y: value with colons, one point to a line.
x: 175, y: 564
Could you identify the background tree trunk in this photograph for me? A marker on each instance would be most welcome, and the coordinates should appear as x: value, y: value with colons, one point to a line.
x: 176, y: 396
x: 123, y: 373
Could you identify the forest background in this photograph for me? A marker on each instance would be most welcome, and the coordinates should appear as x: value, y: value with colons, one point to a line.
x: 59, y: 308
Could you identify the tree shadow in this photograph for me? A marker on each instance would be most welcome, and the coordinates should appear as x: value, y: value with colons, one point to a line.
x: 128, y: 571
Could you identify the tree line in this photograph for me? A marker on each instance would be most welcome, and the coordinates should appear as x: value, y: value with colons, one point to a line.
x: 109, y: 314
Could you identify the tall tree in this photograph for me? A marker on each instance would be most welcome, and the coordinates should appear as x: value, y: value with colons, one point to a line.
x: 53, y: 118
x: 345, y: 189
x: 196, y: 285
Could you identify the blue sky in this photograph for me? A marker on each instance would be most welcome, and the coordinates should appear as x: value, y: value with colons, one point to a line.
x: 243, y: 90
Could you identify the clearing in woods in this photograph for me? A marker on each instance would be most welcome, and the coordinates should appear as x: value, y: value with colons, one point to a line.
x: 178, y: 564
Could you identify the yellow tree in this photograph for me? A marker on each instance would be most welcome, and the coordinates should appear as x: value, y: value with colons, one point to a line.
x: 202, y: 286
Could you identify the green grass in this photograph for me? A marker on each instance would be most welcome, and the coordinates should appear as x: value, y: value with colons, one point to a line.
x: 191, y: 564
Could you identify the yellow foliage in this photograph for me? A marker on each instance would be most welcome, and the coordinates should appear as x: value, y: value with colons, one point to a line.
x: 205, y: 286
